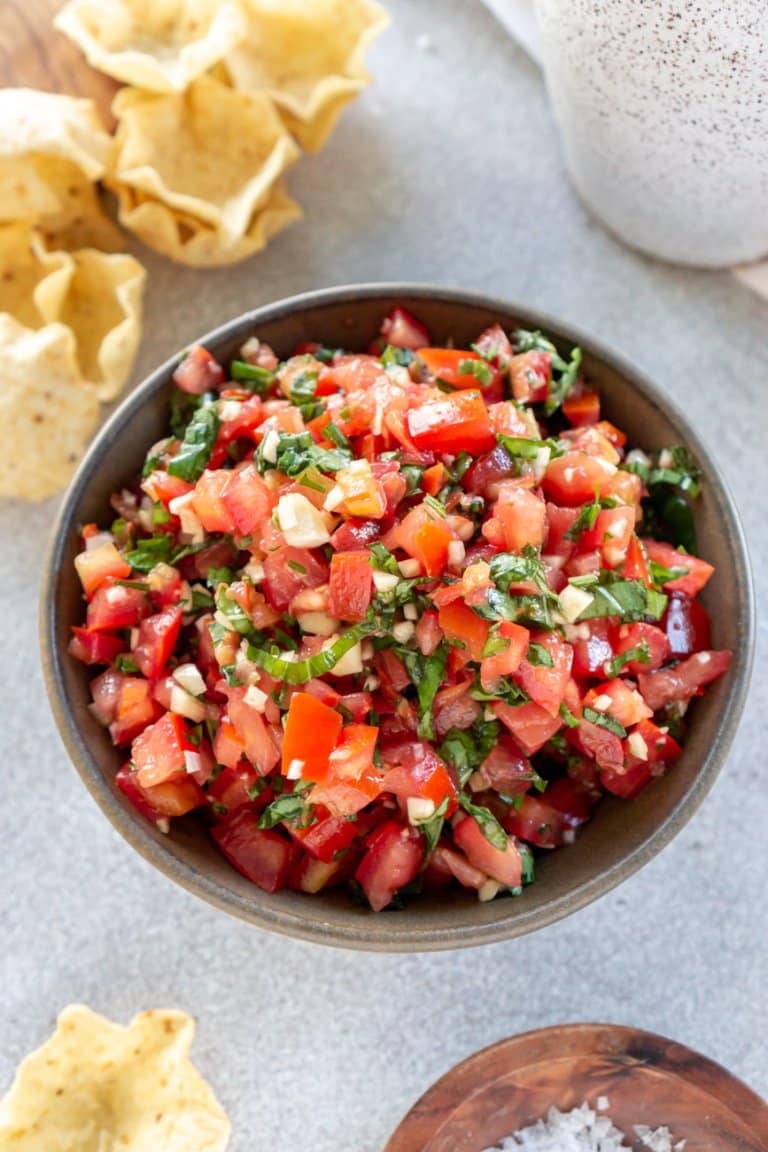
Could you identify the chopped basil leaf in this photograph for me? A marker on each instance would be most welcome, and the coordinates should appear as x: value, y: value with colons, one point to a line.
x: 661, y: 575
x: 237, y: 618
x: 495, y: 643
x: 489, y: 825
x: 190, y: 461
x: 569, y: 719
x: 297, y: 567
x: 585, y: 521
x: 297, y: 451
x: 539, y: 656
x: 427, y: 673
x: 641, y: 652
x: 604, y: 721
x: 527, y: 449
x: 459, y: 466
x: 254, y: 376
x: 435, y: 505
x: 147, y: 553
x: 559, y: 388
x: 126, y: 663
x: 289, y: 806
x: 466, y: 749
x: 334, y: 433
x: 527, y: 859
x: 432, y: 827
x: 397, y: 357
x: 628, y: 599
x: 381, y: 558
x: 219, y: 576
x: 160, y: 514
x: 202, y: 600
x: 525, y: 341
x: 300, y: 671
x: 412, y: 474
x: 230, y: 675
x: 477, y: 368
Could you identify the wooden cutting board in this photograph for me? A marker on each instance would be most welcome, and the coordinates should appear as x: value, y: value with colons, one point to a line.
x: 34, y: 55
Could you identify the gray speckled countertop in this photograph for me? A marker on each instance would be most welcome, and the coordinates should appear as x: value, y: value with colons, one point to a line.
x: 447, y: 170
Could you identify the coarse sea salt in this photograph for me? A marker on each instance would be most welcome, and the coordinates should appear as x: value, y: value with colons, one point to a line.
x: 584, y: 1129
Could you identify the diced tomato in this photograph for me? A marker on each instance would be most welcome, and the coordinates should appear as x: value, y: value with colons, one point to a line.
x: 235, y: 786
x: 96, y: 565
x: 482, y: 477
x: 392, y: 859
x: 453, y: 707
x: 626, y: 707
x: 264, y: 855
x: 463, y: 626
x: 536, y: 821
x: 157, y: 639
x: 433, y: 479
x: 530, y: 374
x: 611, y: 535
x: 455, y: 865
x: 161, y: 487
x: 208, y: 505
x: 163, y: 801
x: 591, y: 654
x: 324, y: 839
x: 116, y: 606
x: 603, y: 746
x: 494, y: 668
x: 625, y: 487
x: 159, y: 752
x: 503, y: 866
x: 582, y: 407
x: 683, y: 681
x: 95, y: 647
x: 248, y: 500
x: 228, y: 745
x: 453, y: 424
x: 635, y: 566
x: 135, y: 710
x: 351, y: 586
x: 287, y: 570
x: 572, y: 798
x: 506, y: 769
x: 576, y: 478
x: 508, y: 420
x: 658, y: 750
x: 449, y: 365
x: 687, y: 626
x: 545, y: 685
x: 418, y: 772
x: 243, y: 423
x: 530, y: 724
x: 425, y: 536
x: 355, y: 535
x: 402, y: 330
x: 351, y: 373
x: 352, y: 758
x: 257, y: 735
x: 650, y: 637
x: 312, y: 731
x: 698, y: 571
x: 494, y: 345
x: 198, y: 372
x: 523, y: 517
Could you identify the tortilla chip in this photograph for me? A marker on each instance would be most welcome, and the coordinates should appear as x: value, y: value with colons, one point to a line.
x: 95, y: 1085
x: 52, y: 149
x: 102, y: 306
x: 47, y: 415
x: 48, y: 124
x: 32, y: 281
x: 308, y: 58
x: 189, y: 241
x: 210, y: 157
x: 159, y: 45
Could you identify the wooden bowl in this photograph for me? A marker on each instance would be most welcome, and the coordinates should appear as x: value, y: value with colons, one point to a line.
x: 623, y: 835
x: 647, y: 1079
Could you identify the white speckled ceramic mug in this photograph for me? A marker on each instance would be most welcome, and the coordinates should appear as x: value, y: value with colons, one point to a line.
x: 663, y: 109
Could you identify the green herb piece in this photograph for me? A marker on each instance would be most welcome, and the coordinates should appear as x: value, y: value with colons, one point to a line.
x: 585, y: 521
x: 334, y: 433
x: 297, y: 451
x: 126, y: 663
x: 629, y: 600
x: 255, y: 377
x: 160, y: 514
x: 525, y: 341
x: 539, y: 656
x: 149, y: 552
x: 435, y: 505
x: 412, y: 474
x: 661, y: 575
x: 528, y: 862
x: 477, y: 368
x: 432, y: 827
x: 237, y: 618
x: 427, y: 674
x: 202, y: 600
x: 559, y: 388
x: 604, y: 721
x: 569, y: 719
x: 307, y: 480
x: 190, y: 461
x: 382, y: 559
x: 460, y: 465
x: 641, y: 653
x: 218, y: 576
x: 525, y: 449
x: 290, y: 807
x: 294, y: 564
x: 393, y: 357
x: 300, y: 671
x: 489, y: 825
x: 230, y: 675
x: 495, y: 643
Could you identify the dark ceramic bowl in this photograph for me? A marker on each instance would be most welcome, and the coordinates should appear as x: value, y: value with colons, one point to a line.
x: 622, y: 836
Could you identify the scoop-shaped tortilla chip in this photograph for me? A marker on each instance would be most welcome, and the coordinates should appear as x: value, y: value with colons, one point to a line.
x: 95, y: 1085
x: 33, y: 282
x: 52, y: 149
x: 48, y: 124
x: 47, y: 415
x: 210, y: 155
x: 190, y: 241
x: 308, y: 57
x: 102, y: 306
x: 159, y: 45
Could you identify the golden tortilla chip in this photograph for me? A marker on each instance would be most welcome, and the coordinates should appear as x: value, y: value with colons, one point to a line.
x: 95, y: 1085
x: 102, y: 306
x: 189, y: 241
x: 159, y: 45
x: 52, y: 149
x: 210, y: 156
x: 308, y: 57
x: 32, y: 281
x: 47, y: 415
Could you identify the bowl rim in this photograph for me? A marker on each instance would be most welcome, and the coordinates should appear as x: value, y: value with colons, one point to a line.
x: 369, y: 935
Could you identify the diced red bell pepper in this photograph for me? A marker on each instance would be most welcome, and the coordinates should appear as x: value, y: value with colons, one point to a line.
x: 351, y: 586
x: 582, y: 407
x: 461, y: 625
x: 312, y: 731
x: 446, y: 364
x: 453, y: 424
